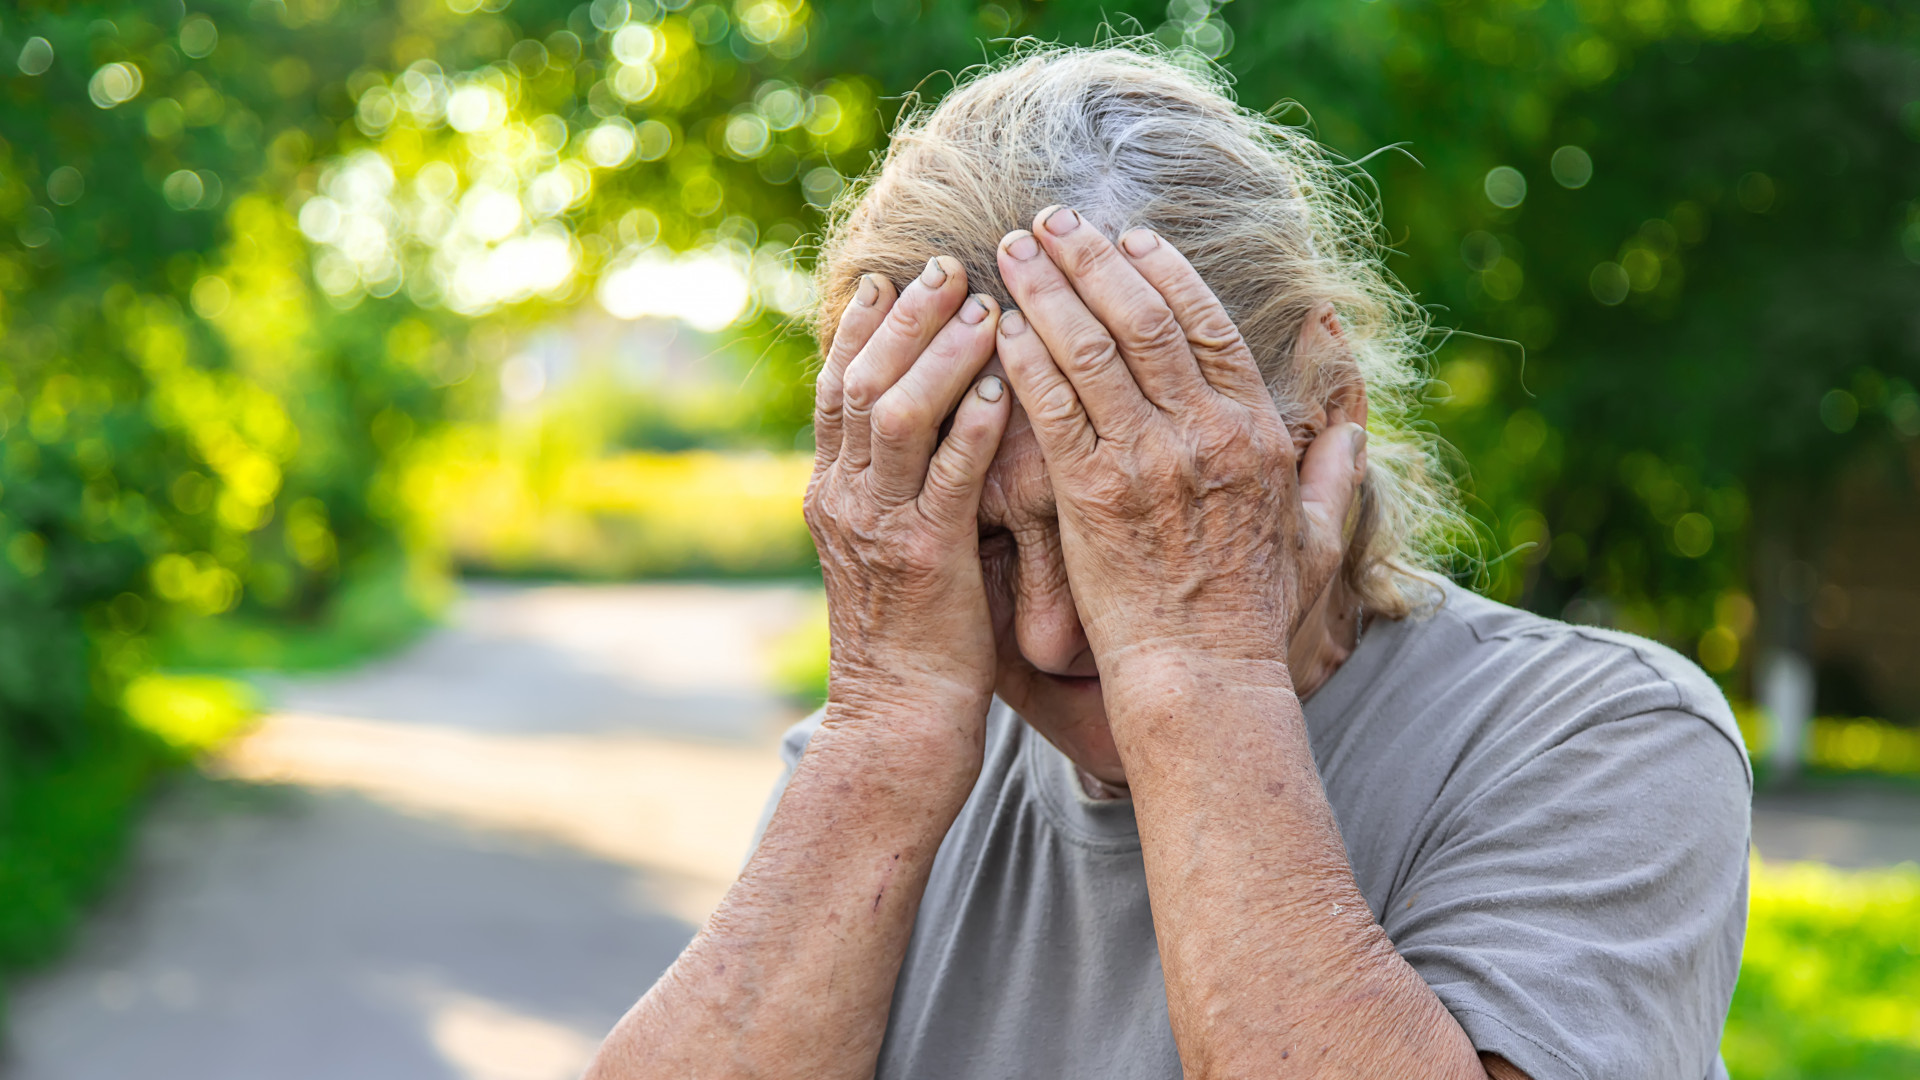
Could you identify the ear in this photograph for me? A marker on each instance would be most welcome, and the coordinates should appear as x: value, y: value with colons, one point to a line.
x: 1322, y: 346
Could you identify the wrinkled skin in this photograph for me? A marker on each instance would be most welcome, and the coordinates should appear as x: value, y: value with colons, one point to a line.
x: 1230, y: 460
x: 892, y: 507
x: 901, y: 611
x: 1045, y: 665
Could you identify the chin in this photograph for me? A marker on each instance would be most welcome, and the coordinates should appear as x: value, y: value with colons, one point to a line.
x: 1069, y: 713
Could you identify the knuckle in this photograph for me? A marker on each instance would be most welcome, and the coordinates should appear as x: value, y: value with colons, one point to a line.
x: 946, y: 478
x: 828, y: 396
x: 1051, y: 286
x: 1155, y: 330
x: 1216, y: 333
x: 911, y: 317
x: 1091, y: 353
x: 895, y: 418
x: 817, y: 509
x: 921, y: 552
x: 862, y: 389
x: 1090, y: 254
x: 942, y: 352
x: 845, y: 345
x: 1056, y: 405
x: 847, y: 339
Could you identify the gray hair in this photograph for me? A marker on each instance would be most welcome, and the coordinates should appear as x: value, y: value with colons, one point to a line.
x: 1129, y: 136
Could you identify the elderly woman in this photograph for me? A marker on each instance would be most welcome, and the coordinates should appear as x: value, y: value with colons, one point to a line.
x: 1149, y: 749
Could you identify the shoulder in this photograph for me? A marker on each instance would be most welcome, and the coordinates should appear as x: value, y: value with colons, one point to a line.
x: 1495, y: 624
x: 1571, y: 677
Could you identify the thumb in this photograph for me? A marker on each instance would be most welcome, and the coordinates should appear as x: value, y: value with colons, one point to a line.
x: 1330, y: 476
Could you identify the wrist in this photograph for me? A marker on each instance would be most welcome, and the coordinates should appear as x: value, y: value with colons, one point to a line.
x: 1176, y: 684
x: 905, y: 702
x: 918, y: 743
x: 1243, y: 631
x: 1183, y: 662
x: 864, y: 677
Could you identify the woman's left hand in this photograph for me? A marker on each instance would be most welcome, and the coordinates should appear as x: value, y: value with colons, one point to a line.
x: 1188, y: 523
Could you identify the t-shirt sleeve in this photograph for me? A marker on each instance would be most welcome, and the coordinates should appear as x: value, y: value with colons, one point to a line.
x: 1583, y: 916
x: 792, y: 745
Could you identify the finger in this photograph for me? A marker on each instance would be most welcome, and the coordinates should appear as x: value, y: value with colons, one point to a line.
x: 924, y: 307
x: 1217, y: 347
x: 1135, y: 315
x: 863, y: 314
x: 1082, y: 349
x: 1330, y: 478
x: 906, y: 420
x: 958, y: 471
x: 1060, y: 424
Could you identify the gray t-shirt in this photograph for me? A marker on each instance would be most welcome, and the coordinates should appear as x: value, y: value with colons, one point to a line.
x: 1550, y: 822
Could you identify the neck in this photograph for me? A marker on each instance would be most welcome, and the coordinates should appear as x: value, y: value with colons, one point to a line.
x: 1325, y: 638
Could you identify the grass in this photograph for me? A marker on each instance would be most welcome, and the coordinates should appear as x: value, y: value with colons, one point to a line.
x: 1830, y: 983
x: 66, y: 818
x: 64, y: 826
x: 631, y: 515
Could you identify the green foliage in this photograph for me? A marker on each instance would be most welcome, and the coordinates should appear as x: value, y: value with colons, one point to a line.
x: 695, y: 513
x: 186, y: 433
x: 1830, y: 983
x: 375, y: 611
x: 251, y: 257
x: 63, y: 827
x: 1670, y: 220
x: 190, y: 714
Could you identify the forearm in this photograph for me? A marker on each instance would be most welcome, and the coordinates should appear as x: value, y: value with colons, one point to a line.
x: 1274, y: 964
x: 793, y: 974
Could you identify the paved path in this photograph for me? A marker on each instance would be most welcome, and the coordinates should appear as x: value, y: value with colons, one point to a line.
x: 1853, y: 825
x: 461, y: 863
x: 465, y: 862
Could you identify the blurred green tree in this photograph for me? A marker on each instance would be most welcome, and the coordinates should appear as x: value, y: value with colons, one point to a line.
x: 254, y: 252
x: 1680, y: 244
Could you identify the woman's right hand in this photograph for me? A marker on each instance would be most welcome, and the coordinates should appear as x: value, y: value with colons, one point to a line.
x: 892, y: 507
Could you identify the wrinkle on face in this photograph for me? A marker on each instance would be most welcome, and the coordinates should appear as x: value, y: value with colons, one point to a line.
x: 1037, y: 628
x: 1046, y: 669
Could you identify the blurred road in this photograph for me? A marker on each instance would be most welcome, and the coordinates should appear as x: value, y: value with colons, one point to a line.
x: 462, y: 863
x: 465, y: 862
x: 1853, y: 825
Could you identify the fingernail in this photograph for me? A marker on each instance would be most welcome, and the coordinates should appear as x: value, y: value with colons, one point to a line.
x: 1012, y: 324
x: 935, y: 275
x: 1359, y: 444
x: 1138, y: 242
x: 973, y: 310
x: 1021, y: 245
x: 869, y: 292
x: 991, y: 388
x: 1059, y: 220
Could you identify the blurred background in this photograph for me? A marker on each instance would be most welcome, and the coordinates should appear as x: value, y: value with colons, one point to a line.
x: 405, y: 417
